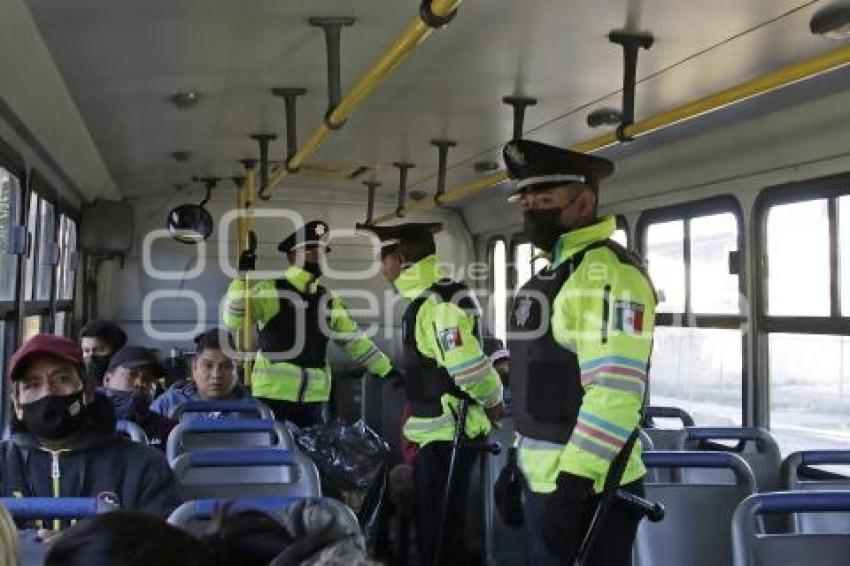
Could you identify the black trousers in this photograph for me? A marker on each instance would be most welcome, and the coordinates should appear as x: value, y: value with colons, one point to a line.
x: 429, y: 477
x: 613, y: 546
x: 301, y: 414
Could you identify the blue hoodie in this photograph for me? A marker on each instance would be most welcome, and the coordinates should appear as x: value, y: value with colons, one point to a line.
x: 186, y: 391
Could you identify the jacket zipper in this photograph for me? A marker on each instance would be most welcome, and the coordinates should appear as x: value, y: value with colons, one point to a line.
x: 606, y: 314
x: 56, y: 476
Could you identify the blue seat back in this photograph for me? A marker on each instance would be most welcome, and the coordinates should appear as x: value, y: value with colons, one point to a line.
x: 753, y: 548
x: 131, y: 430
x: 665, y: 438
x: 245, y: 472
x: 247, y: 408
x: 212, y: 434
x: 695, y: 530
x: 32, y: 508
x: 822, y: 522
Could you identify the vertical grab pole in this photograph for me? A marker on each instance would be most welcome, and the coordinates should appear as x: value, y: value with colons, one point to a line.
x: 246, y: 336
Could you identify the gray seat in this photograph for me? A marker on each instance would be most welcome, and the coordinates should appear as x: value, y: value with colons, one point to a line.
x: 195, y: 516
x: 754, y: 444
x: 212, y: 434
x: 695, y: 529
x: 250, y: 407
x: 131, y: 430
x: 665, y: 438
x: 797, y: 477
x: 255, y: 472
x: 752, y: 548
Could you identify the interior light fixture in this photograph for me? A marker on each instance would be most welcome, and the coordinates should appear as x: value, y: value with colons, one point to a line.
x: 604, y: 117
x: 832, y: 21
x: 191, y: 223
x: 186, y: 99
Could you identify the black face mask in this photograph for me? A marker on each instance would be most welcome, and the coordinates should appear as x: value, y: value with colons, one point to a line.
x: 96, y: 367
x: 543, y: 227
x: 313, y: 268
x: 129, y: 404
x: 55, y: 416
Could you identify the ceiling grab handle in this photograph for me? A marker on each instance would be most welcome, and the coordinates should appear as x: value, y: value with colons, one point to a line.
x: 519, y: 104
x: 632, y: 43
x: 290, y: 96
x: 443, y: 147
x: 370, y: 207
x: 332, y: 28
x: 403, y: 168
x: 264, y: 139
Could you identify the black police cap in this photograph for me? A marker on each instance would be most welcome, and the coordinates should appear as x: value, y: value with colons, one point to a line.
x: 132, y: 357
x: 392, y: 237
x: 532, y: 164
x: 313, y: 233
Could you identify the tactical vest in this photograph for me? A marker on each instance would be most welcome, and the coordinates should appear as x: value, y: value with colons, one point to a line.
x: 546, y: 389
x: 425, y: 381
x: 298, y: 316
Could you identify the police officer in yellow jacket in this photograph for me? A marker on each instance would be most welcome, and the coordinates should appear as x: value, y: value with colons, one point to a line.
x: 297, y: 317
x: 442, y: 363
x: 580, y: 342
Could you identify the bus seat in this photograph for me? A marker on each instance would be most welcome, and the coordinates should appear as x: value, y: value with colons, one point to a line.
x: 665, y: 438
x: 131, y: 430
x: 211, y: 434
x: 32, y: 508
x: 695, y: 529
x: 195, y: 516
x: 251, y: 407
x: 752, y: 548
x: 796, y: 478
x: 245, y: 472
x: 755, y: 445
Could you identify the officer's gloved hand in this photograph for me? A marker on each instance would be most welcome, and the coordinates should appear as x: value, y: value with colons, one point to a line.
x: 395, y: 378
x: 567, y: 513
x: 248, y: 260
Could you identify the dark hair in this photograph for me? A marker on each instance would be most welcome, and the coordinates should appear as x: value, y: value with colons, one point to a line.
x: 107, y: 331
x: 212, y: 339
x: 127, y: 538
x: 247, y: 538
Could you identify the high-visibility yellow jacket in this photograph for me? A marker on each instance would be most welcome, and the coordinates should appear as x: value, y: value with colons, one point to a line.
x: 445, y: 334
x: 604, y: 313
x: 279, y: 379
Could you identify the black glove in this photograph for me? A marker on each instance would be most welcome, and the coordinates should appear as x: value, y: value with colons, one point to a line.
x: 507, y: 492
x: 395, y: 378
x: 567, y: 515
x: 248, y: 260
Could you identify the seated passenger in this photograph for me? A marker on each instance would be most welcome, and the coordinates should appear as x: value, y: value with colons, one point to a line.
x: 126, y: 538
x: 130, y: 383
x: 64, y: 442
x: 99, y: 339
x: 213, y: 376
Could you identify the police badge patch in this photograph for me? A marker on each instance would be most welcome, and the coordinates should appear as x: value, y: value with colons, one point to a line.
x: 523, y: 311
x: 450, y: 339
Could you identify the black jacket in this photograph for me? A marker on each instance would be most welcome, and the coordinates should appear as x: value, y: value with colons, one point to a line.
x: 99, y: 463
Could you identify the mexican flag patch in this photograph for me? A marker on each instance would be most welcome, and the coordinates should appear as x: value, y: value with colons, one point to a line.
x: 628, y: 317
x: 450, y: 339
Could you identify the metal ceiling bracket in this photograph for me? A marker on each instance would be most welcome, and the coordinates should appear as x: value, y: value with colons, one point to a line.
x: 290, y: 95
x: 442, y: 161
x: 332, y: 27
x: 370, y: 207
x: 238, y: 180
x: 403, y: 168
x: 432, y: 20
x: 519, y: 104
x: 632, y: 42
x: 209, y: 184
x: 264, y: 139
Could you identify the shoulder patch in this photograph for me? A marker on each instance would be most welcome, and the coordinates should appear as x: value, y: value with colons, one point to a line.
x: 450, y: 339
x: 628, y: 317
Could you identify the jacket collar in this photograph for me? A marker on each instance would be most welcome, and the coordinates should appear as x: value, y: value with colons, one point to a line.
x: 574, y: 241
x: 300, y: 279
x: 419, y: 277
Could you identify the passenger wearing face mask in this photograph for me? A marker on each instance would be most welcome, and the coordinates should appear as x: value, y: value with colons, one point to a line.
x: 580, y: 338
x: 64, y: 442
x: 130, y: 383
x: 297, y: 317
x: 99, y: 339
x: 213, y: 377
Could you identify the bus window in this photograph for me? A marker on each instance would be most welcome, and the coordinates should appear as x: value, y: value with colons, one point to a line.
x: 523, y: 254
x: 713, y: 289
x: 498, y: 264
x: 46, y: 241
x: 32, y: 326
x: 665, y: 253
x: 844, y: 253
x: 798, y: 258
x: 621, y: 237
x: 10, y: 199
x: 60, y: 325
x: 32, y: 217
x: 65, y: 270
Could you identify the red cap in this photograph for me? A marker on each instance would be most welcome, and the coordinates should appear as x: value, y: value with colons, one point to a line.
x: 57, y: 346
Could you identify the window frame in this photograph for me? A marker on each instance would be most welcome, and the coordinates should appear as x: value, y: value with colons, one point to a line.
x: 623, y: 224
x: 491, y: 281
x: 686, y: 211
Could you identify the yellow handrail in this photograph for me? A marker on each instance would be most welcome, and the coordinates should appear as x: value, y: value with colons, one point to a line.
x: 415, y: 33
x: 773, y: 80
x: 245, y: 225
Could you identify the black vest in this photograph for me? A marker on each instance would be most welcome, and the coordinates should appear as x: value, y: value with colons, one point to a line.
x: 546, y: 389
x: 425, y: 381
x: 297, y: 310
